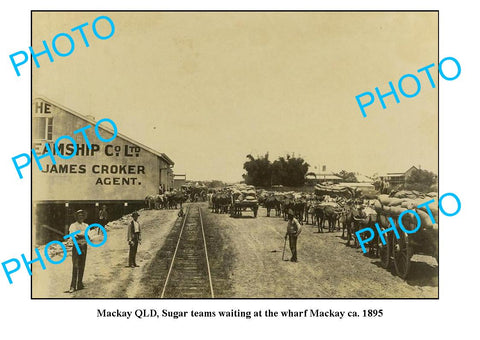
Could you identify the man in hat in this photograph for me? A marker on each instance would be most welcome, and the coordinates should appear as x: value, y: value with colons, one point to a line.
x: 78, y: 259
x: 293, y: 230
x: 133, y: 238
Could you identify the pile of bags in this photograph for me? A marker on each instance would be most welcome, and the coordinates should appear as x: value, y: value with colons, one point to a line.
x: 244, y: 193
x: 250, y: 195
x: 329, y: 204
x: 334, y: 190
x: 393, y: 206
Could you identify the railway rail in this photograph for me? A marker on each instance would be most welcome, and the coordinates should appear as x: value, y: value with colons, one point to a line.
x: 189, y: 273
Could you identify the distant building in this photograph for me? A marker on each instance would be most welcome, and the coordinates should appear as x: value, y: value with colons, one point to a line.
x: 179, y: 180
x: 397, y: 178
x: 313, y: 178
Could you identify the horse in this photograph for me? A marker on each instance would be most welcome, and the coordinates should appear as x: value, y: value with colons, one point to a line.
x: 150, y: 202
x: 270, y: 203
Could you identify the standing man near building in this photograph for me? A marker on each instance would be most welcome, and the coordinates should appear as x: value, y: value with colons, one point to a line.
x: 133, y: 238
x: 78, y: 260
x: 293, y: 230
x: 102, y: 217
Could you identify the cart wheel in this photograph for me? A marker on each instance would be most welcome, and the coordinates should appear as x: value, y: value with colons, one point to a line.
x: 385, y: 251
x: 402, y: 253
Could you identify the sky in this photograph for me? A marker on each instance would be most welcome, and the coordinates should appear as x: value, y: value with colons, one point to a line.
x: 208, y: 89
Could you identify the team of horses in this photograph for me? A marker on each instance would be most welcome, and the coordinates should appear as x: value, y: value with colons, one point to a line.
x: 351, y: 214
x: 220, y: 202
x: 168, y: 200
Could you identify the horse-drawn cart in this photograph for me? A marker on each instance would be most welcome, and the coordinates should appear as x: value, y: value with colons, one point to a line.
x: 243, y: 198
x: 400, y: 250
x: 239, y: 206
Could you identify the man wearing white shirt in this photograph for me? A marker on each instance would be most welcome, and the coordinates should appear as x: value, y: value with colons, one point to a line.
x: 78, y: 259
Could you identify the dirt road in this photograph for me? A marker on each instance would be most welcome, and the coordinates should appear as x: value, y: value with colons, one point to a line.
x: 106, y: 272
x: 245, y: 261
x: 326, y: 267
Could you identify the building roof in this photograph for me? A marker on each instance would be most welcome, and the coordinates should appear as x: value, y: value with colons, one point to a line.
x: 92, y: 121
x: 393, y: 174
x: 322, y: 176
x: 398, y: 174
x: 356, y: 185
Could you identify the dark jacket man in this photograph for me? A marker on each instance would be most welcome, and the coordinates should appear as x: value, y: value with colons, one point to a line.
x: 133, y: 238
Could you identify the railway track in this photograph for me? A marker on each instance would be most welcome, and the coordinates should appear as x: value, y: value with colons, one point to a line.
x: 189, y: 271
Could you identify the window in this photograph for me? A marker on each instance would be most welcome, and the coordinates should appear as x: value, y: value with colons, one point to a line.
x: 42, y: 128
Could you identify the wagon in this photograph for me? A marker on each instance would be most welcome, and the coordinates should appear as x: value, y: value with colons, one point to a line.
x: 400, y: 251
x: 242, y: 198
x: 237, y: 207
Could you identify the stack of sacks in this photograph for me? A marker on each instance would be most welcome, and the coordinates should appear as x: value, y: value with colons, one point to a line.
x: 423, y: 212
x: 236, y: 194
x: 244, y: 193
x: 409, y: 200
x: 250, y: 195
x: 329, y: 204
x: 244, y: 187
x: 412, y: 194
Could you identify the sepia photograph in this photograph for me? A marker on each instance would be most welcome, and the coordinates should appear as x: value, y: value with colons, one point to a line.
x: 236, y: 154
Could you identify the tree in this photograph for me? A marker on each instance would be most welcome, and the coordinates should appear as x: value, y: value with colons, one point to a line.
x: 289, y: 171
x: 259, y: 171
x: 420, y: 180
x: 348, y: 177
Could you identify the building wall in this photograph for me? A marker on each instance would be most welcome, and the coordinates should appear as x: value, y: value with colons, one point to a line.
x: 118, y: 170
x: 177, y: 183
x: 165, y: 175
x: 396, y: 180
x: 170, y: 179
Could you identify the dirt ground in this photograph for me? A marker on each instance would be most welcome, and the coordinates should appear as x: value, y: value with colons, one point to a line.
x: 245, y: 257
x: 326, y: 267
x: 106, y: 272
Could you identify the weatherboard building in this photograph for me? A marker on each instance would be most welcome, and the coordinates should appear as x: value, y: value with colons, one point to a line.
x: 117, y: 174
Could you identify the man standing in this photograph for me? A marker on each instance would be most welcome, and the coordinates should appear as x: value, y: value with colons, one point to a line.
x: 133, y: 238
x: 78, y: 259
x: 102, y: 217
x: 293, y: 230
